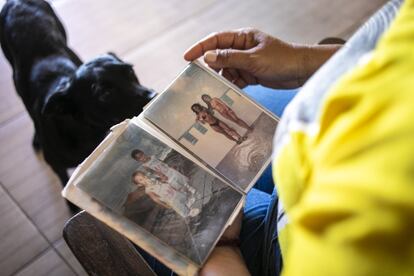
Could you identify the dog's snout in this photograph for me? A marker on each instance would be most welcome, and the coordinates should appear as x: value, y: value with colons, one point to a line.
x: 145, y: 92
x: 151, y: 93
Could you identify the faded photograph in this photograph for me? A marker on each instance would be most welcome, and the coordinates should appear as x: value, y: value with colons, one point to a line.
x: 163, y: 192
x: 216, y: 123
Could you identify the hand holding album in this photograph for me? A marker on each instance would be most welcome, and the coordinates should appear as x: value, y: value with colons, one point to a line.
x: 248, y: 56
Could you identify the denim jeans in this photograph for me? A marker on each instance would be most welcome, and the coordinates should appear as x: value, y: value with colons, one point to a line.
x: 258, y: 237
x: 259, y: 243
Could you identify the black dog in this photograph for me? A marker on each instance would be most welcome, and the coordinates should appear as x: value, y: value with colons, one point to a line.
x: 72, y: 105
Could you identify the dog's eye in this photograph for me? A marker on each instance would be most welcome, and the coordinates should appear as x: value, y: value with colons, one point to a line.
x: 104, y: 96
x: 94, y: 87
x: 108, y: 86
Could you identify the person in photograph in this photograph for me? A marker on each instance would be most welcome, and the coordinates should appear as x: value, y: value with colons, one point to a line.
x: 204, y: 116
x: 224, y: 110
x: 163, y: 170
x: 164, y: 194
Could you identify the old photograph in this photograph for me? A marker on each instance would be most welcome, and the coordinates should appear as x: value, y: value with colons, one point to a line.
x: 216, y: 123
x: 163, y: 192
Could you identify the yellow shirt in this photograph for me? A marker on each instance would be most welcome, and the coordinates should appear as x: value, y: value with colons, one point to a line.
x: 348, y: 187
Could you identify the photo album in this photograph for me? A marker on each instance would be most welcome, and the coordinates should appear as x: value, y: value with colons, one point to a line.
x: 174, y: 178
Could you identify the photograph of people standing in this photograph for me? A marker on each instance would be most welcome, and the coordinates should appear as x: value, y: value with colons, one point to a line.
x: 203, y: 115
x: 215, y: 104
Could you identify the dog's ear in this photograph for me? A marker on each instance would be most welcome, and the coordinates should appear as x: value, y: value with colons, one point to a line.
x: 55, y: 104
x: 121, y: 66
x: 58, y: 102
x: 114, y: 56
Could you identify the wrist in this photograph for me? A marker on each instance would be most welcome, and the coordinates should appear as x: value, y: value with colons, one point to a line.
x: 296, y: 67
x: 310, y: 58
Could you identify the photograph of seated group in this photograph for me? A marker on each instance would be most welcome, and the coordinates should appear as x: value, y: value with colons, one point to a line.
x: 163, y: 192
x: 217, y: 123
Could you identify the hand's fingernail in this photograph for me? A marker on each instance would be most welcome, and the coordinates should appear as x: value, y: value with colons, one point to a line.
x: 210, y: 57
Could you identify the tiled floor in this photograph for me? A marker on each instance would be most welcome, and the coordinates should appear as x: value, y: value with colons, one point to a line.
x: 151, y: 34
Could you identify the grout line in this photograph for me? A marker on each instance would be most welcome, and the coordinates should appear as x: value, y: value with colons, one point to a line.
x: 13, y: 118
x: 63, y: 258
x: 42, y: 252
x: 351, y: 29
x: 31, y: 261
x: 168, y: 29
x: 40, y: 233
x: 347, y: 32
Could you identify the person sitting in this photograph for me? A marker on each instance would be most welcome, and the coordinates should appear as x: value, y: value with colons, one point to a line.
x: 343, y: 160
x: 344, y: 175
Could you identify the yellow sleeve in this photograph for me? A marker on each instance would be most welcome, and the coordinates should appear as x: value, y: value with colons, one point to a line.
x: 349, y: 189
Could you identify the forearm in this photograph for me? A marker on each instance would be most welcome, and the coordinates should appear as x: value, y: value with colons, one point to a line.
x: 225, y: 260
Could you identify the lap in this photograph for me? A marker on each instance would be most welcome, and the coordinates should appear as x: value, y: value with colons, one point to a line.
x: 253, y: 227
x: 259, y: 243
x: 258, y: 236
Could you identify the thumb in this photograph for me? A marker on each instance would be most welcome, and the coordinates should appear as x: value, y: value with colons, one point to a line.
x: 228, y: 58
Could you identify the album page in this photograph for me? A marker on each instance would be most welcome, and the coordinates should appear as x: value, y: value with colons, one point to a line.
x: 161, y: 200
x: 217, y: 123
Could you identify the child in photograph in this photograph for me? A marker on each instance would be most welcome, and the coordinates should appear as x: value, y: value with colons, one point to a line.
x: 163, y: 170
x: 164, y: 194
x: 224, y: 110
x: 204, y: 116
